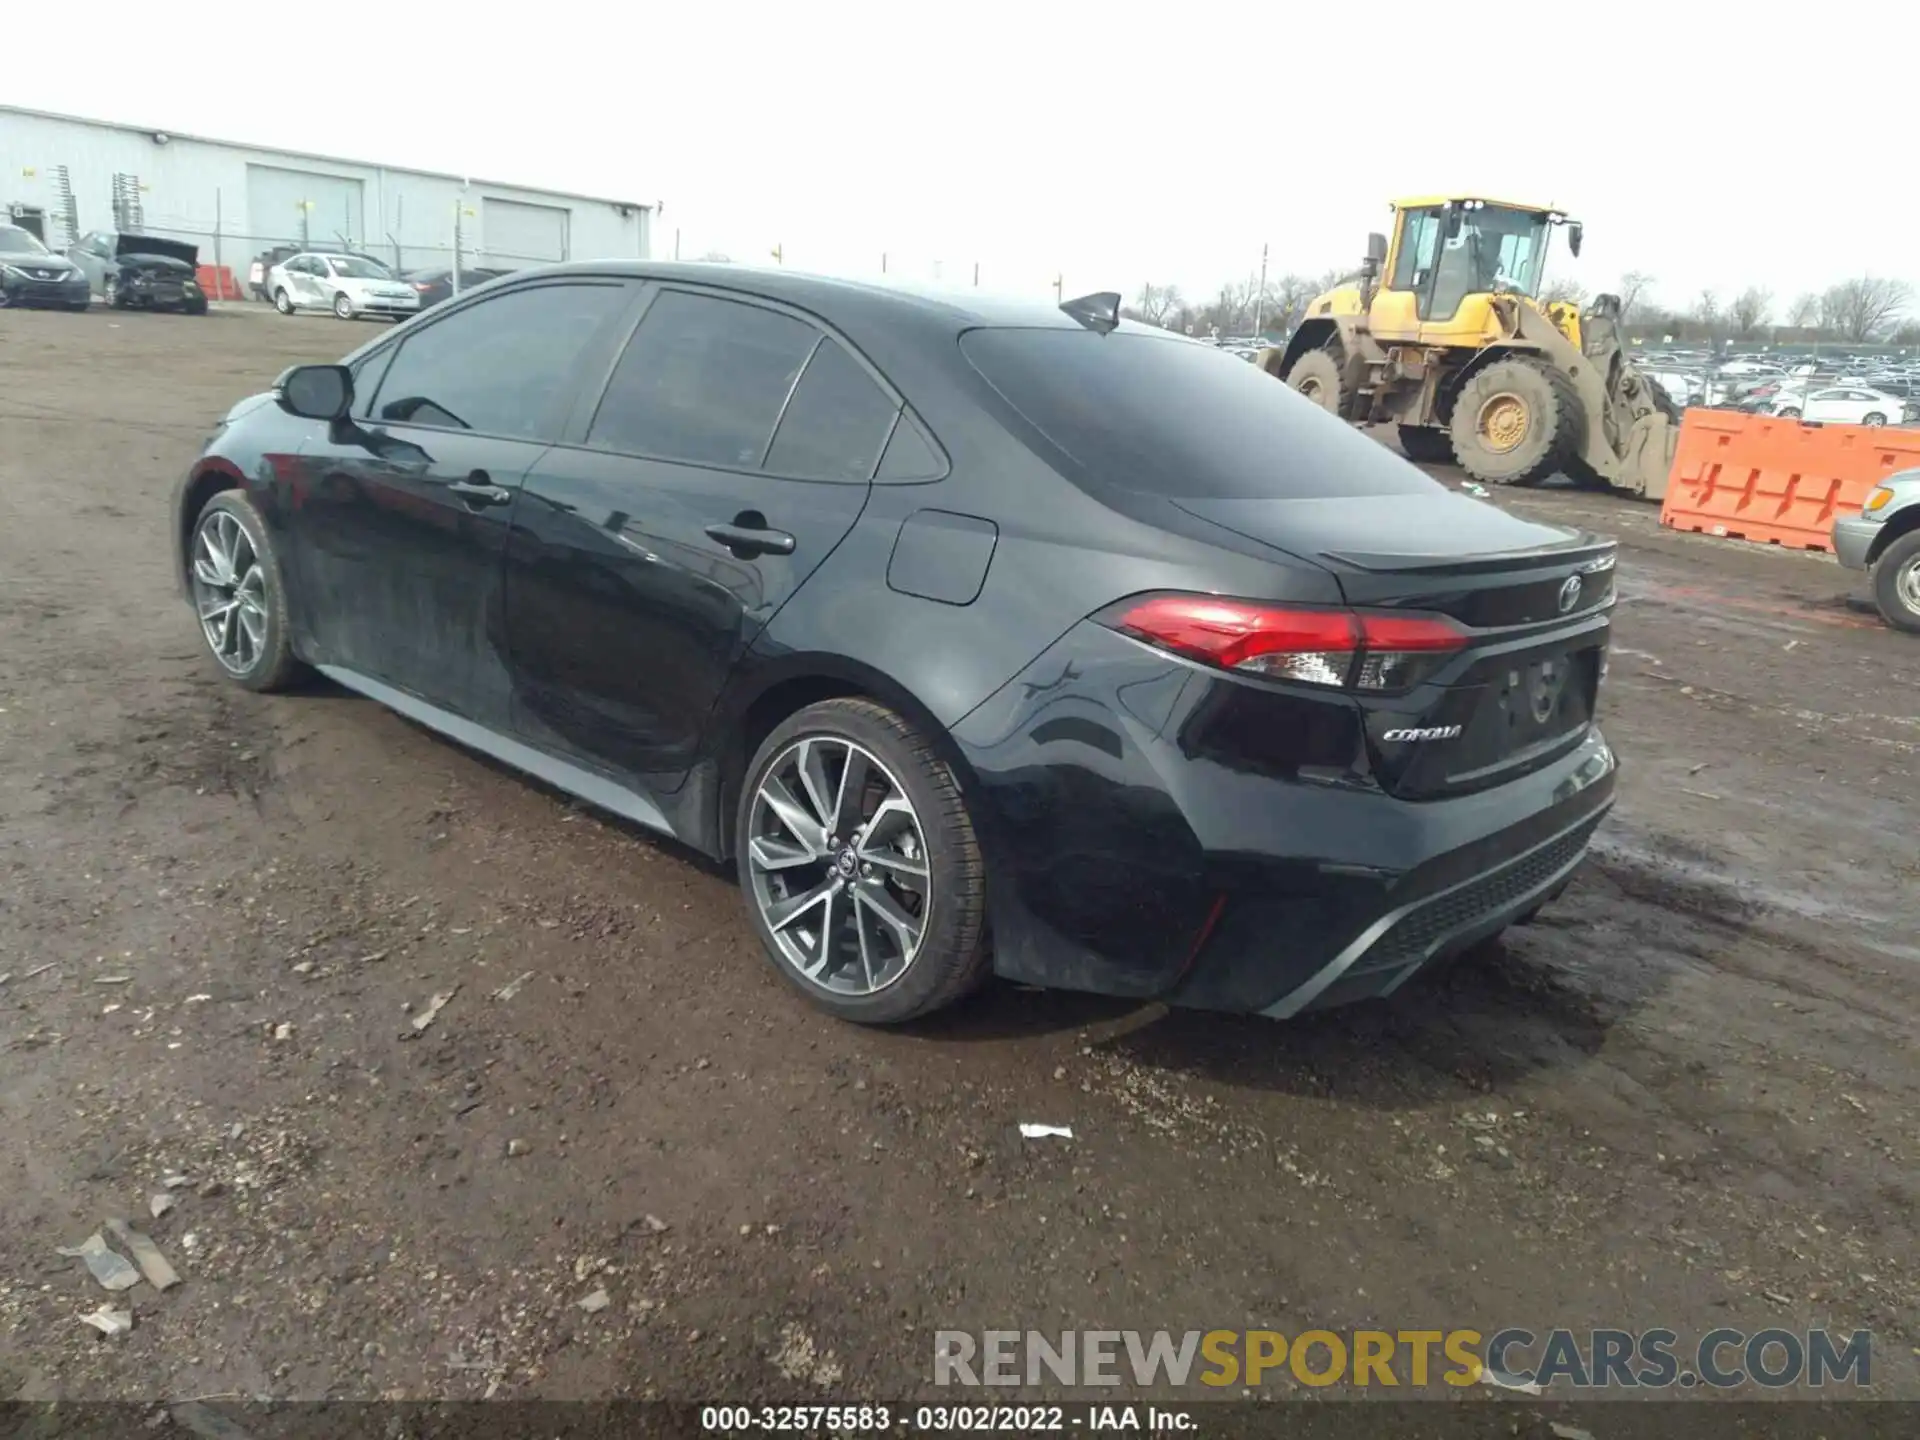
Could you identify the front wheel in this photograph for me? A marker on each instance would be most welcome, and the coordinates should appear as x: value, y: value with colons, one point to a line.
x: 239, y: 595
x: 1896, y: 583
x: 1517, y: 421
x: 1316, y: 376
x: 1790, y: 413
x: 1876, y: 418
x: 860, y: 865
x: 342, y: 306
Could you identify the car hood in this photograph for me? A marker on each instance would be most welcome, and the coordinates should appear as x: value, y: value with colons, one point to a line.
x: 24, y: 261
x: 1440, y: 531
x: 144, y: 247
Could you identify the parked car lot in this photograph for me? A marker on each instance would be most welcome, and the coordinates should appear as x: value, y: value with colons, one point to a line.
x: 1685, y: 1098
x: 349, y: 286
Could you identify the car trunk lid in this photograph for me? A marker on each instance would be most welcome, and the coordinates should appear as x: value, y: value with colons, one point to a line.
x: 1533, y: 601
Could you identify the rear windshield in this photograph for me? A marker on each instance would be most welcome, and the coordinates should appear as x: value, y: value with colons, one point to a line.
x: 1165, y: 416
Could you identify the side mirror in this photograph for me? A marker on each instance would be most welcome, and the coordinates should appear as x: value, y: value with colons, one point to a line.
x: 1574, y: 232
x: 1376, y: 248
x: 316, y: 392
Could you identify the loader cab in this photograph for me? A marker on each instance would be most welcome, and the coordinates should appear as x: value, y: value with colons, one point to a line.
x: 1447, y: 255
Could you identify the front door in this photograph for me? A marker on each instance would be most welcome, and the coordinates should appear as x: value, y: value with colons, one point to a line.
x: 403, y: 510
x: 733, y: 449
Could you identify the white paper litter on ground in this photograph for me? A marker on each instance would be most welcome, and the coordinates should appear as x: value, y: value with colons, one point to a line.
x: 1041, y: 1132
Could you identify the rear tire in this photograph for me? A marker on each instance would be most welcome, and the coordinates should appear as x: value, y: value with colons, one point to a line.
x: 1516, y: 422
x: 888, y: 981
x: 1896, y: 583
x: 1316, y: 376
x: 1876, y: 418
x: 282, y: 301
x: 342, y: 307
x: 1426, y: 445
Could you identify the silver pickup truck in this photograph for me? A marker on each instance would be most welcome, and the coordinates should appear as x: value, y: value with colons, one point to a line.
x: 1884, y: 540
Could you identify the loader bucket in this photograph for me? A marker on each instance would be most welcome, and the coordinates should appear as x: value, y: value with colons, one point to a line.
x: 1649, y: 459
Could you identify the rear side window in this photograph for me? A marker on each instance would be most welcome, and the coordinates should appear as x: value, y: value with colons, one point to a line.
x: 1174, y: 418
x: 835, y: 423
x: 703, y: 381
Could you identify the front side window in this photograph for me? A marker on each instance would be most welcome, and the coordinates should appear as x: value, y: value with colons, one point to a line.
x: 703, y: 380
x: 505, y: 366
x: 1496, y: 249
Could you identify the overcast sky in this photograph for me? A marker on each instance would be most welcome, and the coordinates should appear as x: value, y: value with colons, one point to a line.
x: 1712, y: 146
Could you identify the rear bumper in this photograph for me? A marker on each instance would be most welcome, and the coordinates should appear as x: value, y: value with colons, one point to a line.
x: 1853, y: 538
x: 1129, y: 853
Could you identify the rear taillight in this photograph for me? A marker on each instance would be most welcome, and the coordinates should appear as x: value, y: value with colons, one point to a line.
x: 1340, y: 648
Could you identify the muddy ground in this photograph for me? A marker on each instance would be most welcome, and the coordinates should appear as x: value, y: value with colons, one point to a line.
x: 1687, y: 1098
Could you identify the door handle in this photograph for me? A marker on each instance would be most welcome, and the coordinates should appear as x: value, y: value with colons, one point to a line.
x: 479, y: 489
x: 747, y: 540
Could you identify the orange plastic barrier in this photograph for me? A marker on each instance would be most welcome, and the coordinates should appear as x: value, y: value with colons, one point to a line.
x: 217, y: 282
x: 1779, y: 482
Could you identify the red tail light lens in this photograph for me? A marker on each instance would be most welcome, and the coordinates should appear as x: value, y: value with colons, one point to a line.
x: 1316, y: 647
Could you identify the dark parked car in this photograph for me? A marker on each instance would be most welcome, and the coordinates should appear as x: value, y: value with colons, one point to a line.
x: 31, y: 274
x: 980, y: 636
x: 142, y: 271
x: 435, y: 286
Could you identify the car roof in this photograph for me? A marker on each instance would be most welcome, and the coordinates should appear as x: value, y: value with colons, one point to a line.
x: 839, y: 298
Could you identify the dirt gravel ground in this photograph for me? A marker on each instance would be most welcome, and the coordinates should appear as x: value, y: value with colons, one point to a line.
x: 1687, y: 1098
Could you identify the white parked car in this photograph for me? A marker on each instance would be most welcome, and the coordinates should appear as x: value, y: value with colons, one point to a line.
x: 345, y: 284
x: 1842, y: 405
x: 1750, y: 367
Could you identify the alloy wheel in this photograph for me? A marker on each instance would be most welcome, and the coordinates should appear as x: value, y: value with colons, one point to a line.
x: 838, y: 866
x: 230, y: 592
x: 1907, y: 585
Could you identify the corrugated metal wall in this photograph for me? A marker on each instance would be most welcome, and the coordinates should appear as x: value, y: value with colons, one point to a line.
x: 234, y: 202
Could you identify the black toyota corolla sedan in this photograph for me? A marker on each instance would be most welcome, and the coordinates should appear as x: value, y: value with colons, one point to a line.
x: 980, y: 636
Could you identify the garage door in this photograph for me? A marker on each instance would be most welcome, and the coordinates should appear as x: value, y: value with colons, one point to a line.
x: 298, y: 207
x: 517, y: 234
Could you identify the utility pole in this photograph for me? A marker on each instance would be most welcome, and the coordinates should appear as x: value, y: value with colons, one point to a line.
x: 676, y: 242
x: 883, y: 262
x: 1260, y: 296
x: 976, y: 274
x: 1058, y: 280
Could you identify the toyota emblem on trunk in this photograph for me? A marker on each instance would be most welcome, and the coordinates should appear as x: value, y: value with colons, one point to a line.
x: 1570, y: 594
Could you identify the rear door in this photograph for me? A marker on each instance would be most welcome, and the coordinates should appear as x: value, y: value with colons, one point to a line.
x: 732, y: 450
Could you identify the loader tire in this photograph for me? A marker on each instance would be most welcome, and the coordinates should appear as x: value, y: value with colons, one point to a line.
x: 1425, y: 445
x: 1316, y: 376
x: 1517, y: 422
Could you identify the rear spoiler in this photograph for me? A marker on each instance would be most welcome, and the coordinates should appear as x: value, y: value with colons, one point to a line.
x: 1587, y: 553
x: 128, y: 245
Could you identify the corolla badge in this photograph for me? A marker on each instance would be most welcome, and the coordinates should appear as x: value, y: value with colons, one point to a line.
x: 1570, y: 594
x: 1430, y: 732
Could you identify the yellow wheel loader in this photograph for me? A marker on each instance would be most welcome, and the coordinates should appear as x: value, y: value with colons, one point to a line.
x: 1443, y: 335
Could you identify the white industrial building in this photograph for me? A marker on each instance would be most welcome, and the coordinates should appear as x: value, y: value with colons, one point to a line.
x: 66, y: 176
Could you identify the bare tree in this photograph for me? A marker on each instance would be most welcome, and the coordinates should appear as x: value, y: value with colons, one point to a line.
x: 1805, y: 312
x: 1750, y: 310
x: 1636, y: 291
x: 1706, y: 314
x: 1287, y: 300
x: 1156, y: 303
x: 1564, y: 289
x: 1862, y: 308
